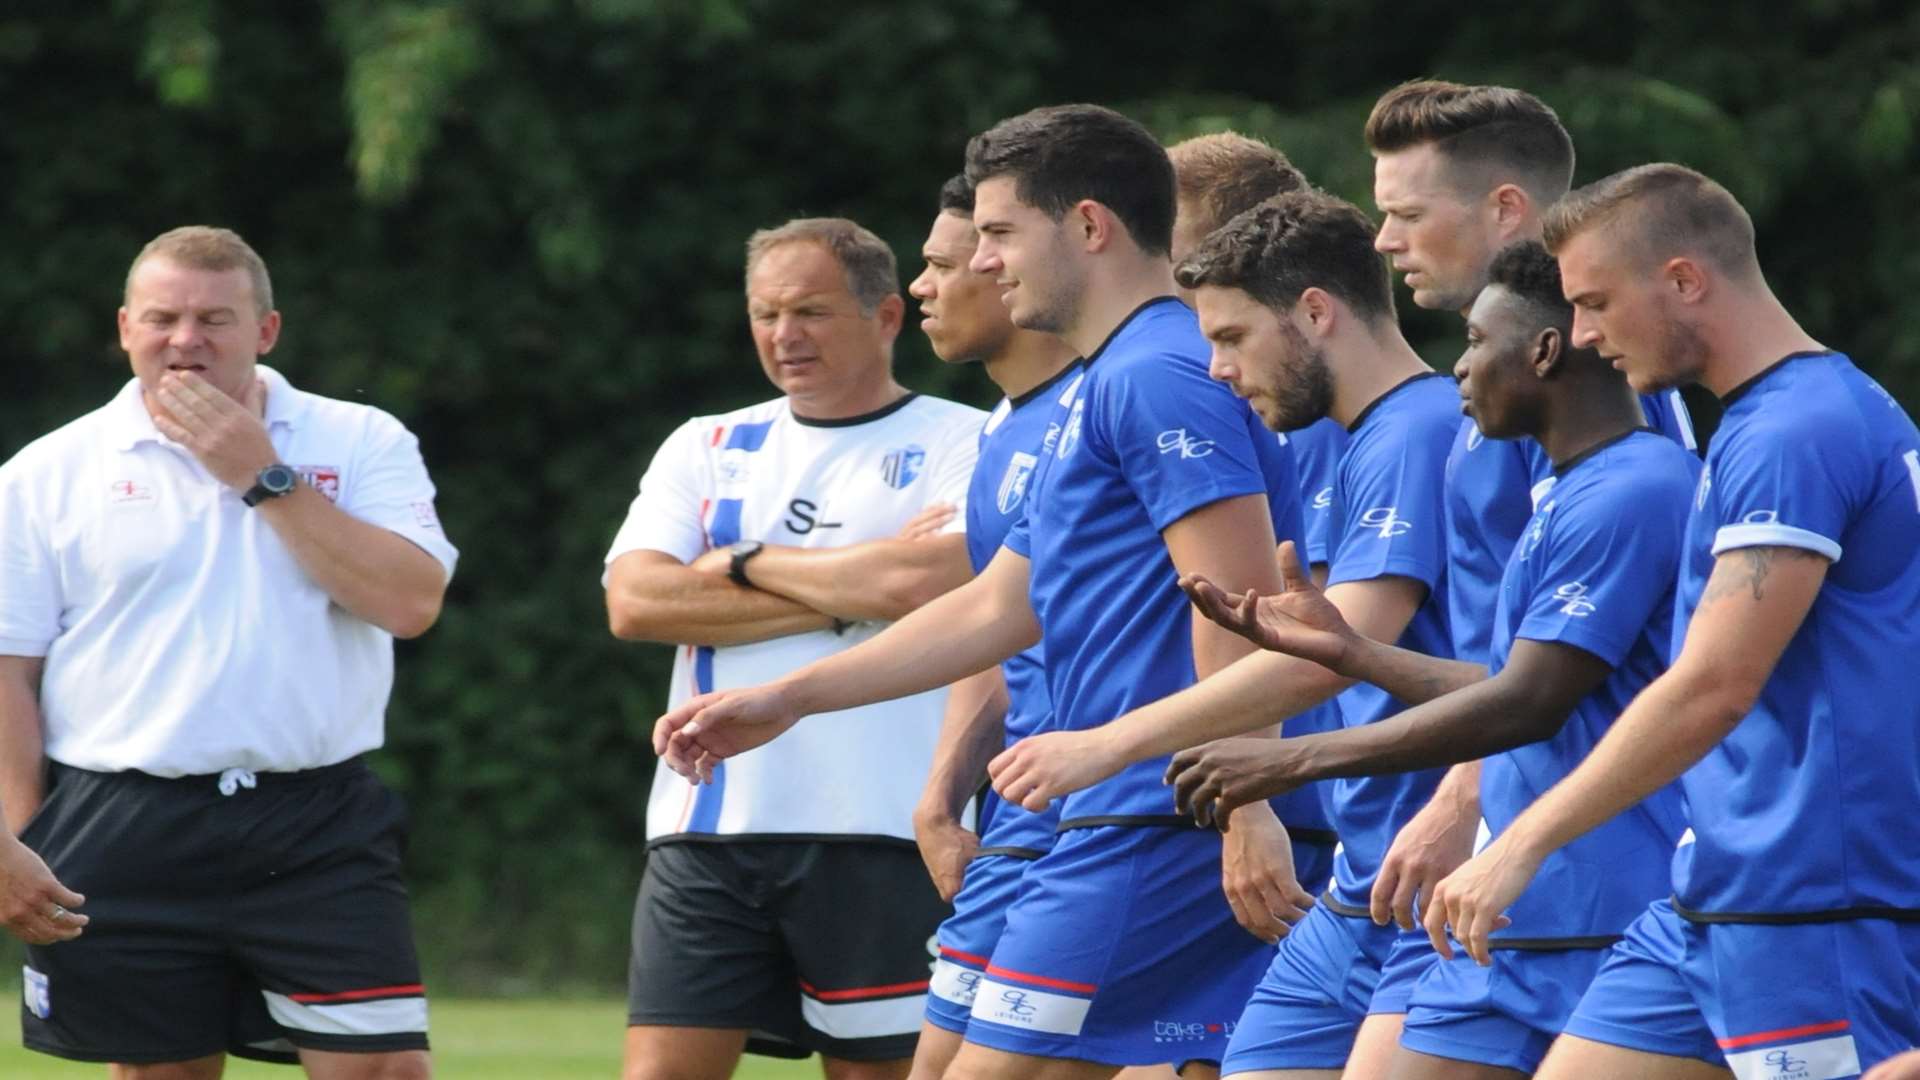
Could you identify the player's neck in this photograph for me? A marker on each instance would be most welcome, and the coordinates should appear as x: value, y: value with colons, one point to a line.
x: 1115, y: 289
x: 1750, y: 335
x: 1029, y: 359
x: 1585, y: 414
x: 1368, y: 365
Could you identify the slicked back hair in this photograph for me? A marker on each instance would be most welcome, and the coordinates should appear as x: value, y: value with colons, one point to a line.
x: 206, y: 247
x: 1222, y: 175
x: 1061, y: 154
x: 1492, y: 131
x: 1662, y: 211
x: 956, y: 196
x: 872, y: 273
x: 1289, y: 244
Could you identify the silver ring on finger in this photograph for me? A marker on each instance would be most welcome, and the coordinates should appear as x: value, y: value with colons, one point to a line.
x: 57, y: 913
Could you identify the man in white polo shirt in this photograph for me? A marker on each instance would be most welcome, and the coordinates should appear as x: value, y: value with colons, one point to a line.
x: 200, y: 584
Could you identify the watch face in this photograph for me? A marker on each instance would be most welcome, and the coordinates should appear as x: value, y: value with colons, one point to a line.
x: 277, y: 478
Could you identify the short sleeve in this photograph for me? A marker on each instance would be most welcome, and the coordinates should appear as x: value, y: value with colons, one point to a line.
x: 1782, y: 488
x: 1391, y: 508
x: 29, y: 583
x: 1181, y: 440
x: 391, y: 489
x: 1604, y: 566
x: 665, y: 515
x: 1019, y: 538
x: 954, y: 477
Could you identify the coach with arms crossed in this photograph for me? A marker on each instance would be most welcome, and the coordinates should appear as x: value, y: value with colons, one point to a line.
x: 787, y: 901
x: 200, y: 584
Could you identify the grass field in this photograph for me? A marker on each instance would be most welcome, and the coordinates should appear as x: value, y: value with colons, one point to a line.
x: 481, y: 1040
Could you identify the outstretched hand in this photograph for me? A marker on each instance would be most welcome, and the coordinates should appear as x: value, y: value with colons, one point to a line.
x: 1212, y: 781
x: 1299, y: 621
x: 710, y: 728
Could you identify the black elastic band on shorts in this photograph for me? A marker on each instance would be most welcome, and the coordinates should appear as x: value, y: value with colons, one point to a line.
x: 263, y: 780
x: 1010, y: 852
x: 1348, y: 910
x: 777, y: 838
x: 1555, y: 944
x: 1316, y: 837
x: 1797, y: 918
x: 1138, y: 821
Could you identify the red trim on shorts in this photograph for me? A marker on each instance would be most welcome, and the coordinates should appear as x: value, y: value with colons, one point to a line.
x: 1042, y: 980
x: 966, y: 957
x: 409, y: 990
x: 1784, y: 1033
x: 863, y: 993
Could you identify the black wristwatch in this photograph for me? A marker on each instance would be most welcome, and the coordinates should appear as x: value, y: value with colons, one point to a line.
x: 274, y: 481
x: 742, y: 551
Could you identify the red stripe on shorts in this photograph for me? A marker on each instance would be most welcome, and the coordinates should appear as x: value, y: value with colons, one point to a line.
x: 864, y: 992
x: 1784, y: 1033
x: 963, y: 956
x: 1042, y: 980
x: 409, y: 990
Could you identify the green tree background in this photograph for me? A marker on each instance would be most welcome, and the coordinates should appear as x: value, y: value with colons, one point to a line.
x: 517, y: 225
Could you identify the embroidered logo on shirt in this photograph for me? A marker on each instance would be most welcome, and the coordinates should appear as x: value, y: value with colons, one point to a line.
x: 424, y: 516
x: 902, y: 467
x: 127, y: 491
x: 1177, y: 439
x: 324, y: 479
x: 1574, y: 593
x: 1013, y: 485
x: 1387, y: 519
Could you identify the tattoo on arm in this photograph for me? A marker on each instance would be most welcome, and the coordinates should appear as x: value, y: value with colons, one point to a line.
x: 1758, y: 562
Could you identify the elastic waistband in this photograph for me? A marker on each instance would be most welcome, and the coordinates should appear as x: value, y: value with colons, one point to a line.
x: 1302, y: 835
x: 1347, y: 910
x: 1796, y: 918
x: 231, y: 778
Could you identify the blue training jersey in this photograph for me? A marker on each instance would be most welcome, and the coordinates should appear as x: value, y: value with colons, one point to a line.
x: 1146, y: 439
x: 1807, y: 806
x: 1492, y: 486
x: 1316, y: 454
x: 1011, y: 442
x: 1594, y: 569
x: 1388, y: 519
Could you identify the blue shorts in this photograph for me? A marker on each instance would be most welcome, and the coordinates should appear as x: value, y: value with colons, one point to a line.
x: 1119, y: 949
x: 1307, y: 1010
x: 969, y: 936
x: 1815, y: 1000
x: 1410, y: 958
x: 1504, y: 1015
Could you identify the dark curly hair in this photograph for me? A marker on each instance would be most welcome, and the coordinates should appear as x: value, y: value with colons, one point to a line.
x: 1061, y: 154
x: 1291, y: 243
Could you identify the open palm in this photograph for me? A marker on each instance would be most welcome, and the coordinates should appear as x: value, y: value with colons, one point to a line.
x: 1299, y: 620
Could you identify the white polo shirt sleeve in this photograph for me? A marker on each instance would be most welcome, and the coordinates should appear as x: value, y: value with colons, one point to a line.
x: 391, y: 489
x: 666, y: 514
x: 29, y: 581
x: 957, y: 460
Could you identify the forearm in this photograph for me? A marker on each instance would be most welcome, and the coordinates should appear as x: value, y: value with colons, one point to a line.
x: 1672, y: 725
x: 22, y: 749
x: 372, y: 572
x: 665, y: 601
x: 1263, y: 689
x: 1411, y: 677
x: 961, y: 633
x: 880, y: 579
x: 1485, y: 718
x: 971, y: 732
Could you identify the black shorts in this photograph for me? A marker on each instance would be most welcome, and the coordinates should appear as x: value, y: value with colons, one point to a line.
x: 254, y: 923
x: 809, y: 945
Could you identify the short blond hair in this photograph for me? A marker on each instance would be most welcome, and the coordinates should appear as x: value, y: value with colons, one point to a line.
x: 1225, y: 174
x: 1663, y: 210
x: 208, y: 247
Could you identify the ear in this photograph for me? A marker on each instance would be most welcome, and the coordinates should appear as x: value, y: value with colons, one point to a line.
x: 1686, y: 279
x: 269, y: 333
x: 122, y: 320
x: 1512, y: 209
x: 1316, y: 312
x: 1091, y: 225
x: 889, y: 315
x: 1549, y: 349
